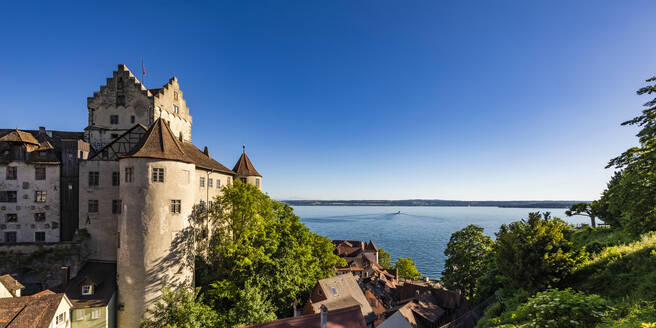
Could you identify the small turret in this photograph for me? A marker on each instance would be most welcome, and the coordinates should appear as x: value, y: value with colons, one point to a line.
x: 246, y: 172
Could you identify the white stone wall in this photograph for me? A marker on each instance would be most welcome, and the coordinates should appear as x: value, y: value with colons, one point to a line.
x: 25, y: 207
x: 103, y: 224
x: 164, y: 104
x: 155, y: 248
x: 253, y: 180
x: 4, y: 292
x: 208, y: 194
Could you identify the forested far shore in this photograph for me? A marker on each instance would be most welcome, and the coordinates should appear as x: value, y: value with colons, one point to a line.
x: 435, y: 202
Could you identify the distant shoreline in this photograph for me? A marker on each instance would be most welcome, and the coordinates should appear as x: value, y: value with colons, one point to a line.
x: 435, y: 203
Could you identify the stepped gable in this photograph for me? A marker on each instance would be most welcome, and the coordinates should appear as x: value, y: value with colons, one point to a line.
x: 159, y: 143
x: 131, y: 79
x: 203, y: 160
x: 244, y: 167
x: 20, y: 137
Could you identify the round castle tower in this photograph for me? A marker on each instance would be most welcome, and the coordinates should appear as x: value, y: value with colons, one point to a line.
x: 155, y: 244
x: 246, y: 172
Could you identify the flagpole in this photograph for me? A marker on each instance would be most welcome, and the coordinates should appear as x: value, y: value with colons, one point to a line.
x: 143, y: 72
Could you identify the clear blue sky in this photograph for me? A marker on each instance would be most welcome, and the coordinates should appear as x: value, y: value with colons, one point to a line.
x: 475, y: 100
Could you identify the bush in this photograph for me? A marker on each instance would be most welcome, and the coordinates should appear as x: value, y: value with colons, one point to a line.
x: 554, y: 309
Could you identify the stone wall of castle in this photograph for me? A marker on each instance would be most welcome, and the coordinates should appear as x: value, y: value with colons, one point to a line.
x: 36, y: 207
x: 155, y: 240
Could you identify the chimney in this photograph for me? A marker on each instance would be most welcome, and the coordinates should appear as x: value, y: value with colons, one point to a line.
x: 206, y: 151
x: 65, y: 275
x: 324, y: 316
x: 42, y: 130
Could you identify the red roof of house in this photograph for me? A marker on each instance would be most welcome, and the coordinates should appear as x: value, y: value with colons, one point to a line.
x: 244, y: 167
x: 350, y: 317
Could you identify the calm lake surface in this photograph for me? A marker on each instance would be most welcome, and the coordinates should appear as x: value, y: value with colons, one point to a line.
x: 418, y: 232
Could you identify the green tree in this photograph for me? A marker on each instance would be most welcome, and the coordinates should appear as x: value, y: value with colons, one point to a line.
x: 261, y: 258
x: 406, y: 268
x: 591, y: 210
x: 468, y: 254
x: 384, y: 259
x: 534, y: 254
x: 635, y: 192
x: 182, y: 308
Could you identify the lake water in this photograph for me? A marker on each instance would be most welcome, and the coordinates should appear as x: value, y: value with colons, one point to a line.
x: 418, y: 232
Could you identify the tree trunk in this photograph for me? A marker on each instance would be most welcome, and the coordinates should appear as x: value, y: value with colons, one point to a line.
x: 592, y: 222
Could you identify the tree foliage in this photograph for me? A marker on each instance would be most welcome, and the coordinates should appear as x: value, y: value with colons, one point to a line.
x: 261, y: 258
x: 384, y: 259
x: 468, y: 253
x: 182, y: 308
x: 534, y: 254
x: 591, y: 210
x: 633, y: 196
x: 406, y: 268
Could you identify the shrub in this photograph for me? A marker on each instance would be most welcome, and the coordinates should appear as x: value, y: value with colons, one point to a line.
x: 563, y: 308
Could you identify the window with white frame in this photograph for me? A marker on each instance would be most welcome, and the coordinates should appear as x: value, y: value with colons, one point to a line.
x: 60, y: 318
x: 209, y: 183
x: 202, y: 182
x: 95, y: 314
x: 176, y: 205
x: 158, y: 174
x: 87, y: 289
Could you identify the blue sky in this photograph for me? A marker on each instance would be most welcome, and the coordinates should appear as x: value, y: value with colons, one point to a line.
x: 475, y: 100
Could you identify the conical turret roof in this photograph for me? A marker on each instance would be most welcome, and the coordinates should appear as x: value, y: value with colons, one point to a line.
x: 244, y: 167
x: 159, y: 142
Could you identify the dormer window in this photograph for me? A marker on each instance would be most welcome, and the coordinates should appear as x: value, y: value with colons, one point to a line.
x: 87, y: 290
x: 334, y: 290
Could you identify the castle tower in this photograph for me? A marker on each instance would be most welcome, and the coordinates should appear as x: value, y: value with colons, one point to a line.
x: 125, y: 101
x: 155, y: 244
x: 246, y: 171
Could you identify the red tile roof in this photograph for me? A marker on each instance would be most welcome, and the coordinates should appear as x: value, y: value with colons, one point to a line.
x: 36, y: 311
x: 244, y: 167
x: 11, y: 284
x: 350, y: 317
x: 160, y: 143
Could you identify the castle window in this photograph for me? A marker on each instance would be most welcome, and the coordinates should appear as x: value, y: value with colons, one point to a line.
x: 175, y: 206
x: 158, y: 174
x: 229, y: 180
x: 116, y: 178
x: 95, y: 314
x: 114, y: 135
x: 128, y: 174
x: 244, y: 180
x: 116, y: 206
x: 257, y: 182
x: 113, y: 119
x: 39, y: 236
x: 39, y: 173
x: 210, y: 183
x: 175, y: 95
x: 176, y: 109
x: 120, y: 100
x: 9, y: 196
x: 10, y: 237
x: 93, y: 206
x: 132, y: 119
x: 202, y: 182
x: 119, y: 83
x: 94, y: 178
x: 12, y: 172
x: 87, y: 290
x: 218, y: 183
x: 40, y: 196
x: 39, y: 217
x: 12, y: 217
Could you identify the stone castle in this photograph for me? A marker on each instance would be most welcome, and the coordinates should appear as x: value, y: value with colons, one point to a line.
x: 132, y: 180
